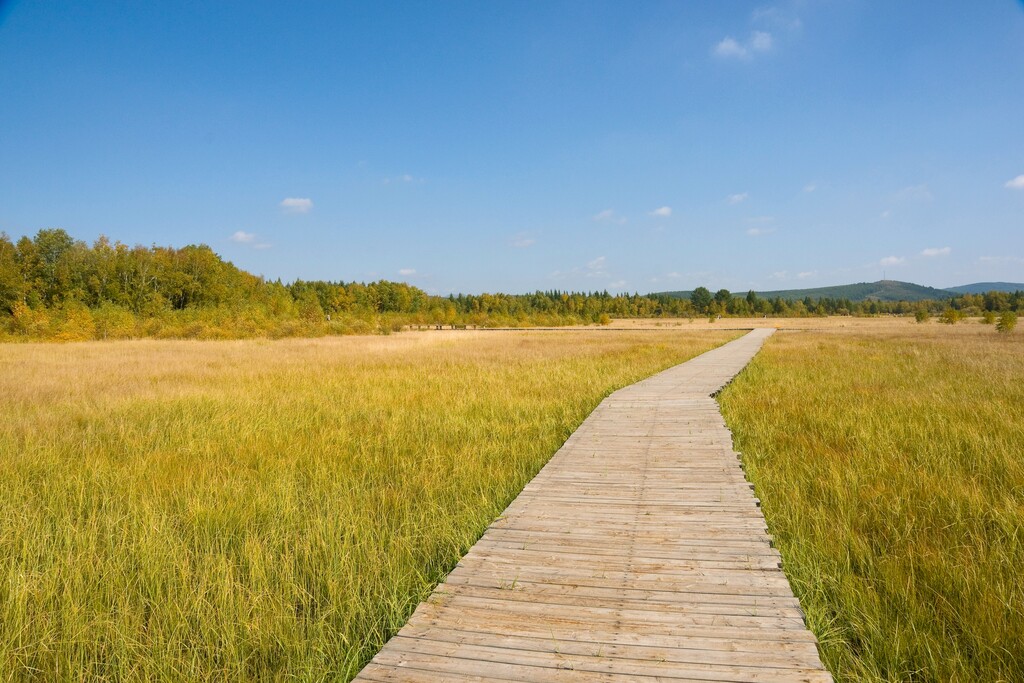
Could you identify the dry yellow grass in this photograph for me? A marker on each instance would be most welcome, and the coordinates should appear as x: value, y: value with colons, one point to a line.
x: 889, y: 463
x: 255, y: 510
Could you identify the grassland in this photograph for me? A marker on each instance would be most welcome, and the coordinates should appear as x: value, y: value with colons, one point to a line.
x: 890, y: 463
x: 264, y: 510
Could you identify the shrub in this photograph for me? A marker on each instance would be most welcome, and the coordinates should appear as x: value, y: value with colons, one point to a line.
x: 113, y: 322
x: 922, y: 315
x: 951, y: 316
x: 28, y: 321
x: 1007, y: 321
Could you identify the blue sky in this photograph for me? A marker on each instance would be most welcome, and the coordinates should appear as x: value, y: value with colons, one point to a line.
x: 518, y: 146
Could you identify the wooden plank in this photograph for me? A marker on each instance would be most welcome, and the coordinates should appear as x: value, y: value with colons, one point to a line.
x: 638, y: 553
x: 540, y: 667
x: 693, y: 651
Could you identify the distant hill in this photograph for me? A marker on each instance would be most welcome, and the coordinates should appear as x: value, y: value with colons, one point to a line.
x: 883, y: 290
x: 982, y: 287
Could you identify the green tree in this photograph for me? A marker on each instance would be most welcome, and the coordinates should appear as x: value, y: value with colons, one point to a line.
x: 701, y: 298
x: 12, y: 284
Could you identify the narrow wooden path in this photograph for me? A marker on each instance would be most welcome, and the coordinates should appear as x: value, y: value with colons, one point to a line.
x: 638, y: 553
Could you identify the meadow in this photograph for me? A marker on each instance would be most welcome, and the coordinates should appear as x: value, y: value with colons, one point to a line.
x: 889, y: 461
x: 268, y: 510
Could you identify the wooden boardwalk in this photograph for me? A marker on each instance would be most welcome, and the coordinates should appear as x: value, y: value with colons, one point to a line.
x: 638, y: 553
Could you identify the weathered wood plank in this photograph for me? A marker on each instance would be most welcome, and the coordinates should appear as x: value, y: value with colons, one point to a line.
x: 638, y: 553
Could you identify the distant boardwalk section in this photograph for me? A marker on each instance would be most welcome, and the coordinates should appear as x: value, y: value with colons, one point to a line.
x: 639, y: 552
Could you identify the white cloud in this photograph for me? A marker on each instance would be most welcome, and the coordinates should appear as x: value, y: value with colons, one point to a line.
x: 297, y: 204
x: 776, y: 17
x: 810, y: 187
x: 406, y: 272
x: 936, y: 251
x: 892, y: 261
x: 806, y: 274
x: 618, y: 284
x: 609, y: 216
x: 730, y: 48
x: 673, y: 275
x: 663, y: 212
x: 1016, y: 184
x: 738, y: 198
x: 594, y: 268
x: 779, y: 275
x: 1001, y: 259
x: 757, y: 232
x: 249, y: 238
x: 761, y: 41
x: 404, y: 178
x: 918, y: 193
x: 522, y: 241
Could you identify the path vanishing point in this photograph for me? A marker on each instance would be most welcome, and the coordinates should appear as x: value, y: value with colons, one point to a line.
x: 638, y: 553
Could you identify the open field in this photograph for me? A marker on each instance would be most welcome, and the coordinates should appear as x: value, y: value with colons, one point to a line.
x: 889, y: 462
x: 835, y: 322
x: 268, y: 510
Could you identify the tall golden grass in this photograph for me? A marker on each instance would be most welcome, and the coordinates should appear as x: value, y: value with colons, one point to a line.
x: 891, y: 466
x: 258, y: 510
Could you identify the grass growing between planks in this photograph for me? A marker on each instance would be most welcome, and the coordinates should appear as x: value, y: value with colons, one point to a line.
x: 268, y: 510
x: 891, y: 466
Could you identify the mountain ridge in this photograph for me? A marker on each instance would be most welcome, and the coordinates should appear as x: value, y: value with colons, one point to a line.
x: 882, y: 290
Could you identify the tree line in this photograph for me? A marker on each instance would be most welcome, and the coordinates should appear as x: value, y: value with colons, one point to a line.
x: 53, y: 286
x: 724, y: 303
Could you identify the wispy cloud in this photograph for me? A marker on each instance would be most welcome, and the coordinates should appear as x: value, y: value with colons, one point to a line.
x: 1015, y: 184
x: 757, y: 232
x: 404, y: 178
x: 777, y: 17
x: 663, y: 212
x: 936, y: 251
x: 916, y: 193
x: 806, y: 274
x: 892, y: 261
x: 609, y: 216
x: 730, y: 48
x: 885, y: 214
x: 596, y: 267
x: 1001, y: 259
x: 618, y: 284
x: 522, y: 240
x: 248, y: 239
x: 761, y: 41
x: 297, y: 204
x: 810, y: 187
x: 738, y: 198
x: 406, y: 272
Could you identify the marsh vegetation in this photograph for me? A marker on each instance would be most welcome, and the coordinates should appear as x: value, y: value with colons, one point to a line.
x: 268, y: 510
x: 889, y: 465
